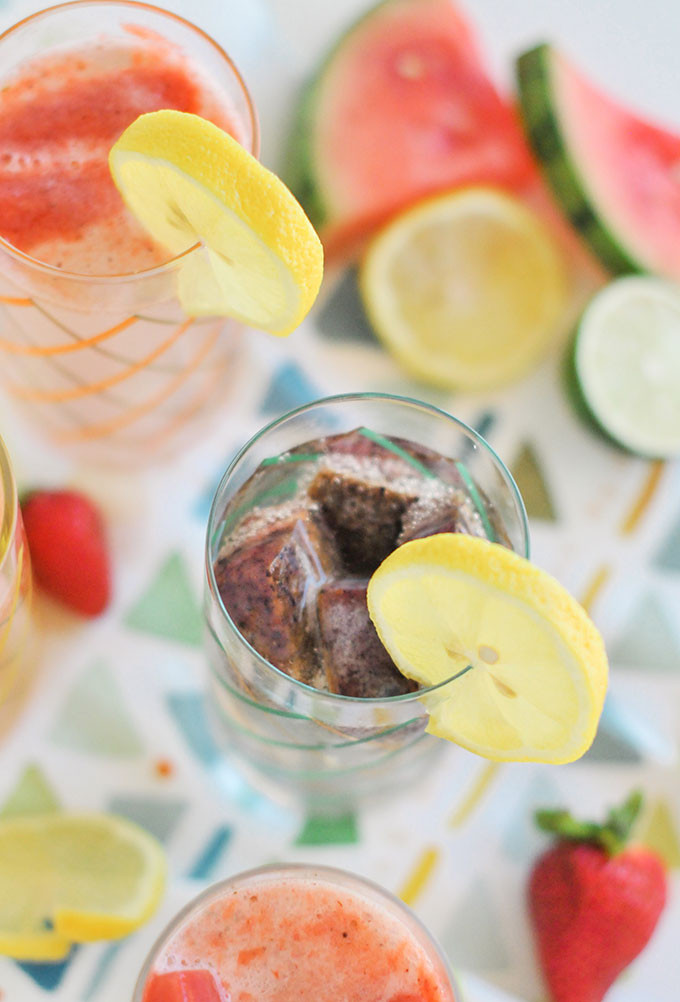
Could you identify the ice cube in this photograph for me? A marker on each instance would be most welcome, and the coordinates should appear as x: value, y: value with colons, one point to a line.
x: 183, y: 986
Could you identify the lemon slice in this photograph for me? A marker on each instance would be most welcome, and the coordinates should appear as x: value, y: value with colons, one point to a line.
x: 186, y: 181
x: 74, y: 878
x: 532, y: 666
x: 466, y: 289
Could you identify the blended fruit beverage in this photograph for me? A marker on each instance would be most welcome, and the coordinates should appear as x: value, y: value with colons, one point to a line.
x: 303, y: 694
x: 93, y: 339
x: 296, y: 934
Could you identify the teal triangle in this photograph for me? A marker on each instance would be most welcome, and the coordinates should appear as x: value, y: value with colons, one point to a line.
x: 668, y: 557
x: 169, y: 608
x: 48, y: 976
x: 95, y: 719
x: 649, y: 639
x: 158, y: 815
x: 338, y: 829
x: 188, y: 712
x: 288, y: 388
x: 342, y: 316
x: 208, y: 859
x: 472, y: 937
x: 32, y: 794
x: 619, y: 736
x: 522, y: 840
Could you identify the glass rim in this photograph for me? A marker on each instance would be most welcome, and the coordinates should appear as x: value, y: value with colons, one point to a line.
x: 10, y: 504
x: 333, y: 874
x: 165, y: 266
x: 339, y: 698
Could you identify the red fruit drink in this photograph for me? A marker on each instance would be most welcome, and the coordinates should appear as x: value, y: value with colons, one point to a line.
x: 296, y: 934
x: 92, y: 337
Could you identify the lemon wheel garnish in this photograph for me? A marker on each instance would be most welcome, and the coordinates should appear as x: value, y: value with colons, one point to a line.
x: 531, y: 666
x: 187, y: 181
x: 466, y: 289
x: 68, y: 878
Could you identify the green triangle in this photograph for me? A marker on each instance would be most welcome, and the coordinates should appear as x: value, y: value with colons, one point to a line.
x: 532, y: 485
x: 668, y: 556
x: 31, y: 795
x: 95, y: 719
x: 168, y: 608
x: 658, y: 832
x: 340, y: 829
x: 649, y: 639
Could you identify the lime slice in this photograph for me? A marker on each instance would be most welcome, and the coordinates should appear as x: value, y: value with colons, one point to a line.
x: 532, y: 666
x: 74, y: 878
x: 187, y: 181
x: 625, y: 363
x: 466, y: 289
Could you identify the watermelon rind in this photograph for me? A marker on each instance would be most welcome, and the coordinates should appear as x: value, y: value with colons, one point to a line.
x: 539, y: 107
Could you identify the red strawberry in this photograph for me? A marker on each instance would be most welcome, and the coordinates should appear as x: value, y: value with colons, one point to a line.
x: 69, y: 553
x: 594, y: 903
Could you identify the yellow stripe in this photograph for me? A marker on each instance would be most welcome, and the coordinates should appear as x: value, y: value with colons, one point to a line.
x: 419, y: 875
x: 644, y: 498
x: 595, y: 586
x: 477, y: 791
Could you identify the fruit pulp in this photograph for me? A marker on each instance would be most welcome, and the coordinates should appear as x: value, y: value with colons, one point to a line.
x: 59, y: 116
x: 302, y: 537
x: 297, y: 938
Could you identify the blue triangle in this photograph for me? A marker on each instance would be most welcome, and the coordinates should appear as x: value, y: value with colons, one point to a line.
x: 157, y: 815
x: 342, y: 316
x: 209, y: 857
x: 48, y: 976
x: 289, y: 388
x: 617, y: 738
x: 188, y: 711
x: 201, y: 509
x: 668, y: 557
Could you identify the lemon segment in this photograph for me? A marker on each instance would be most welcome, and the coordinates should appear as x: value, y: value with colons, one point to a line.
x: 74, y: 878
x: 531, y: 665
x: 188, y: 182
x: 466, y: 289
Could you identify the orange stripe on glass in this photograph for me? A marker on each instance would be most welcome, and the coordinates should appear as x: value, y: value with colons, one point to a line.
x: 76, y: 392
x: 105, y: 428
x: 15, y: 301
x: 644, y: 498
x: 41, y: 351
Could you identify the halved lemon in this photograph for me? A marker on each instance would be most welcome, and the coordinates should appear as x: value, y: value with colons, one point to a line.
x: 466, y: 289
x: 186, y: 181
x: 531, y: 666
x: 68, y: 878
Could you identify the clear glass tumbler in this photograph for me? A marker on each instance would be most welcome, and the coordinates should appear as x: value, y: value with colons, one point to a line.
x: 231, y: 912
x: 290, y: 739
x: 110, y: 366
x: 15, y: 593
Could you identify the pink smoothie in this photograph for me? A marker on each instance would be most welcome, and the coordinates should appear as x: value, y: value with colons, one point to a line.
x: 297, y: 939
x: 59, y: 117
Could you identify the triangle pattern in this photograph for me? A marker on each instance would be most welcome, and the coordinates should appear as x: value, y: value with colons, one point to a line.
x: 338, y: 829
x: 668, y: 557
x: 102, y: 969
x: 48, y: 976
x: 472, y: 938
x: 659, y: 832
x: 532, y: 484
x: 618, y: 737
x: 342, y: 316
x: 157, y: 815
x: 210, y: 855
x: 188, y: 711
x: 649, y: 639
x: 31, y: 795
x: 522, y: 841
x: 289, y: 388
x: 94, y: 718
x: 169, y: 608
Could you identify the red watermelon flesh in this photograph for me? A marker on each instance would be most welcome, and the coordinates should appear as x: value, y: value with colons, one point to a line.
x: 404, y: 108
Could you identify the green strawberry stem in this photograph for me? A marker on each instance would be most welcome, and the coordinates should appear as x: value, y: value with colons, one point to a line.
x: 611, y: 836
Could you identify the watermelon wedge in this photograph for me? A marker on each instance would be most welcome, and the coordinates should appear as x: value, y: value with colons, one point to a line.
x: 401, y: 108
x: 616, y: 176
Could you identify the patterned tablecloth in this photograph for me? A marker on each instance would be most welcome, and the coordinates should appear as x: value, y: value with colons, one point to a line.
x: 115, y: 718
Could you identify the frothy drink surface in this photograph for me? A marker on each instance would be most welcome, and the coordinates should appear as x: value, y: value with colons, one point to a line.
x: 298, y: 940
x: 59, y: 117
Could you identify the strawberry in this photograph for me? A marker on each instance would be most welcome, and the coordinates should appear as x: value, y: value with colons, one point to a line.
x: 594, y: 902
x: 69, y: 553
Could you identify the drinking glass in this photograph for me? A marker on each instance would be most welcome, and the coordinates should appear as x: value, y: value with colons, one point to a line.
x: 290, y: 739
x: 110, y: 366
